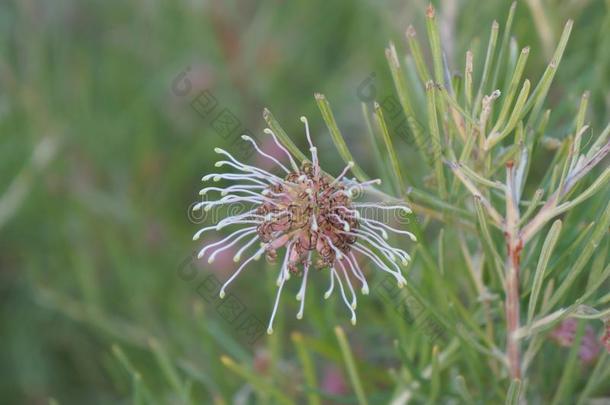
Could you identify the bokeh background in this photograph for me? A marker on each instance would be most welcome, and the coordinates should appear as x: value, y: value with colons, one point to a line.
x: 102, y: 152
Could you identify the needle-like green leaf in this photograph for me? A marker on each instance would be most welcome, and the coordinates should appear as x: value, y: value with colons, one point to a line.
x: 337, y: 137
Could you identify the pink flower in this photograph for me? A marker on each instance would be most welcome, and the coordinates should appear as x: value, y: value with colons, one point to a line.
x: 333, y: 382
x: 307, y: 214
x: 606, y: 337
x: 565, y: 333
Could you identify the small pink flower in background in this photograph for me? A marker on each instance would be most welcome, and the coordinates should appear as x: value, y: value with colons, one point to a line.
x: 565, y: 333
x: 606, y: 337
x: 262, y: 361
x: 333, y: 381
x: 589, y: 346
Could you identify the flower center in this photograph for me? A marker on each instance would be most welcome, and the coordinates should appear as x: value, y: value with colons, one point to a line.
x: 313, y: 213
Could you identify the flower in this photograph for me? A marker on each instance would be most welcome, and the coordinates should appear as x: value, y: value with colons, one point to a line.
x: 333, y: 382
x: 606, y: 337
x: 565, y: 333
x: 307, y: 214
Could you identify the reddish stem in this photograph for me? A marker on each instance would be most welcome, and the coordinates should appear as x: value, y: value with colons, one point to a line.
x: 512, y: 310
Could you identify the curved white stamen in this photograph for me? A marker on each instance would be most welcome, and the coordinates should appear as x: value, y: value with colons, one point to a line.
x: 207, y: 206
x: 345, y: 224
x: 384, y: 234
x: 232, y: 199
x: 362, y: 249
x: 237, y: 232
x: 269, y: 193
x: 314, y: 223
x: 281, y: 280
x: 223, y: 248
x: 355, y: 268
x: 338, y: 253
x: 255, y: 256
x: 249, y: 139
x: 255, y: 178
x: 247, y: 193
x: 382, y: 244
x: 276, y: 215
x: 312, y: 148
x: 346, y: 193
x: 257, y: 198
x: 409, y: 234
x: 314, y: 159
x: 202, y: 230
x: 237, y: 256
x: 361, y: 230
x: 343, y: 173
x: 384, y: 207
x: 365, y: 234
x: 331, y: 288
x: 292, y: 162
x: 388, y: 256
x: 365, y: 183
x: 236, y: 222
x: 406, y: 257
x: 233, y: 219
x: 227, y: 190
x: 385, y: 249
x: 285, y: 273
x: 303, y: 289
x: 260, y: 173
x: 355, y: 213
x: 354, y: 302
x: 233, y: 176
x: 243, y: 166
x: 275, y: 305
x: 307, y: 133
x: 345, y: 300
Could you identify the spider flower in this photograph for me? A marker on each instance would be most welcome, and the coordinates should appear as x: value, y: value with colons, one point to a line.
x: 307, y: 215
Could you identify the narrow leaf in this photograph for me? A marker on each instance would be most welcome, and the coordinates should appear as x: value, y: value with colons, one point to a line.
x: 256, y: 380
x: 504, y: 44
x: 435, y: 138
x: 336, y: 136
x: 539, y: 94
x: 308, y: 369
x: 398, y: 177
x: 435, y: 45
x: 491, y: 47
x: 514, y: 392
x: 420, y: 64
x: 543, y: 261
x: 350, y: 364
x: 600, y: 230
x: 283, y: 136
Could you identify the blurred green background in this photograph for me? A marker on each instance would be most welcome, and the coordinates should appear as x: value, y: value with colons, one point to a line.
x: 100, y: 159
